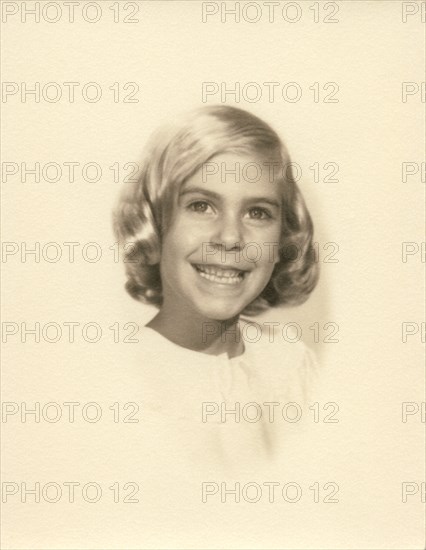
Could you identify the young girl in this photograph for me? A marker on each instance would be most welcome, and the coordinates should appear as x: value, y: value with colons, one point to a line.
x: 216, y: 228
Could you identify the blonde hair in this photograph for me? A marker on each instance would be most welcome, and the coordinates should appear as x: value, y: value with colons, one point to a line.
x: 175, y: 153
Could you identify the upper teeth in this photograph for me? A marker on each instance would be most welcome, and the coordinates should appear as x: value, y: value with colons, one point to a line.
x: 219, y: 272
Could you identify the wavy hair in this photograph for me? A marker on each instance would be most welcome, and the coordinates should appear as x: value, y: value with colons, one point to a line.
x: 173, y: 154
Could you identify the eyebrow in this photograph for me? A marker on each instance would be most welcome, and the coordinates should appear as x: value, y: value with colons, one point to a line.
x: 216, y: 196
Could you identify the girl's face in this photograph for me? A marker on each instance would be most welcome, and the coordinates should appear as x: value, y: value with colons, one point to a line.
x: 222, y: 244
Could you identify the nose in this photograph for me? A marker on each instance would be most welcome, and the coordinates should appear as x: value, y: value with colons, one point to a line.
x: 229, y: 232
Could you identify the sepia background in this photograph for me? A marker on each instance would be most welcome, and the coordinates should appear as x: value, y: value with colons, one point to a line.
x: 356, y: 132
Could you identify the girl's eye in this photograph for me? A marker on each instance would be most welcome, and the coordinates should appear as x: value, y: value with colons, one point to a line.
x: 258, y: 213
x: 199, y: 206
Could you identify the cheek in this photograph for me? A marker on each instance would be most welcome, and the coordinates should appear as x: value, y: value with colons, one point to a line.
x: 187, y: 232
x: 180, y: 241
x: 268, y: 247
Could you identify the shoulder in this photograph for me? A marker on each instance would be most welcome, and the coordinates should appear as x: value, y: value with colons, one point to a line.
x: 269, y: 336
x: 285, y: 357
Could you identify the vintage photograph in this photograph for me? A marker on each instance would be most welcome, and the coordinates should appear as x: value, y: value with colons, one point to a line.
x: 213, y: 257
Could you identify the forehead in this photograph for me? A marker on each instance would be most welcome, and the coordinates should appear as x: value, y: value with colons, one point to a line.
x: 233, y: 174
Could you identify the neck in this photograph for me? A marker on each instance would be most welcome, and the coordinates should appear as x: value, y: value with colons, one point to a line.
x: 199, y: 333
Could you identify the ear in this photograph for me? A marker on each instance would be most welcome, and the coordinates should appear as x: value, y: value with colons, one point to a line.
x: 277, y: 257
x: 154, y: 256
x: 277, y: 253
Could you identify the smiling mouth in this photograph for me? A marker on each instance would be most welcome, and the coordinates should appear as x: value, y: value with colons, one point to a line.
x: 217, y: 274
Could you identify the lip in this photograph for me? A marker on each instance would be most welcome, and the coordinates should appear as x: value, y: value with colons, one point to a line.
x: 224, y: 275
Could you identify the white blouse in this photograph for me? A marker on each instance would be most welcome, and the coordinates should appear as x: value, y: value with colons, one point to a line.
x: 209, y: 424
x: 225, y: 411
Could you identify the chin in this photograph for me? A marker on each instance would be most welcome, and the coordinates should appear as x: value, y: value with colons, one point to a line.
x: 217, y: 313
